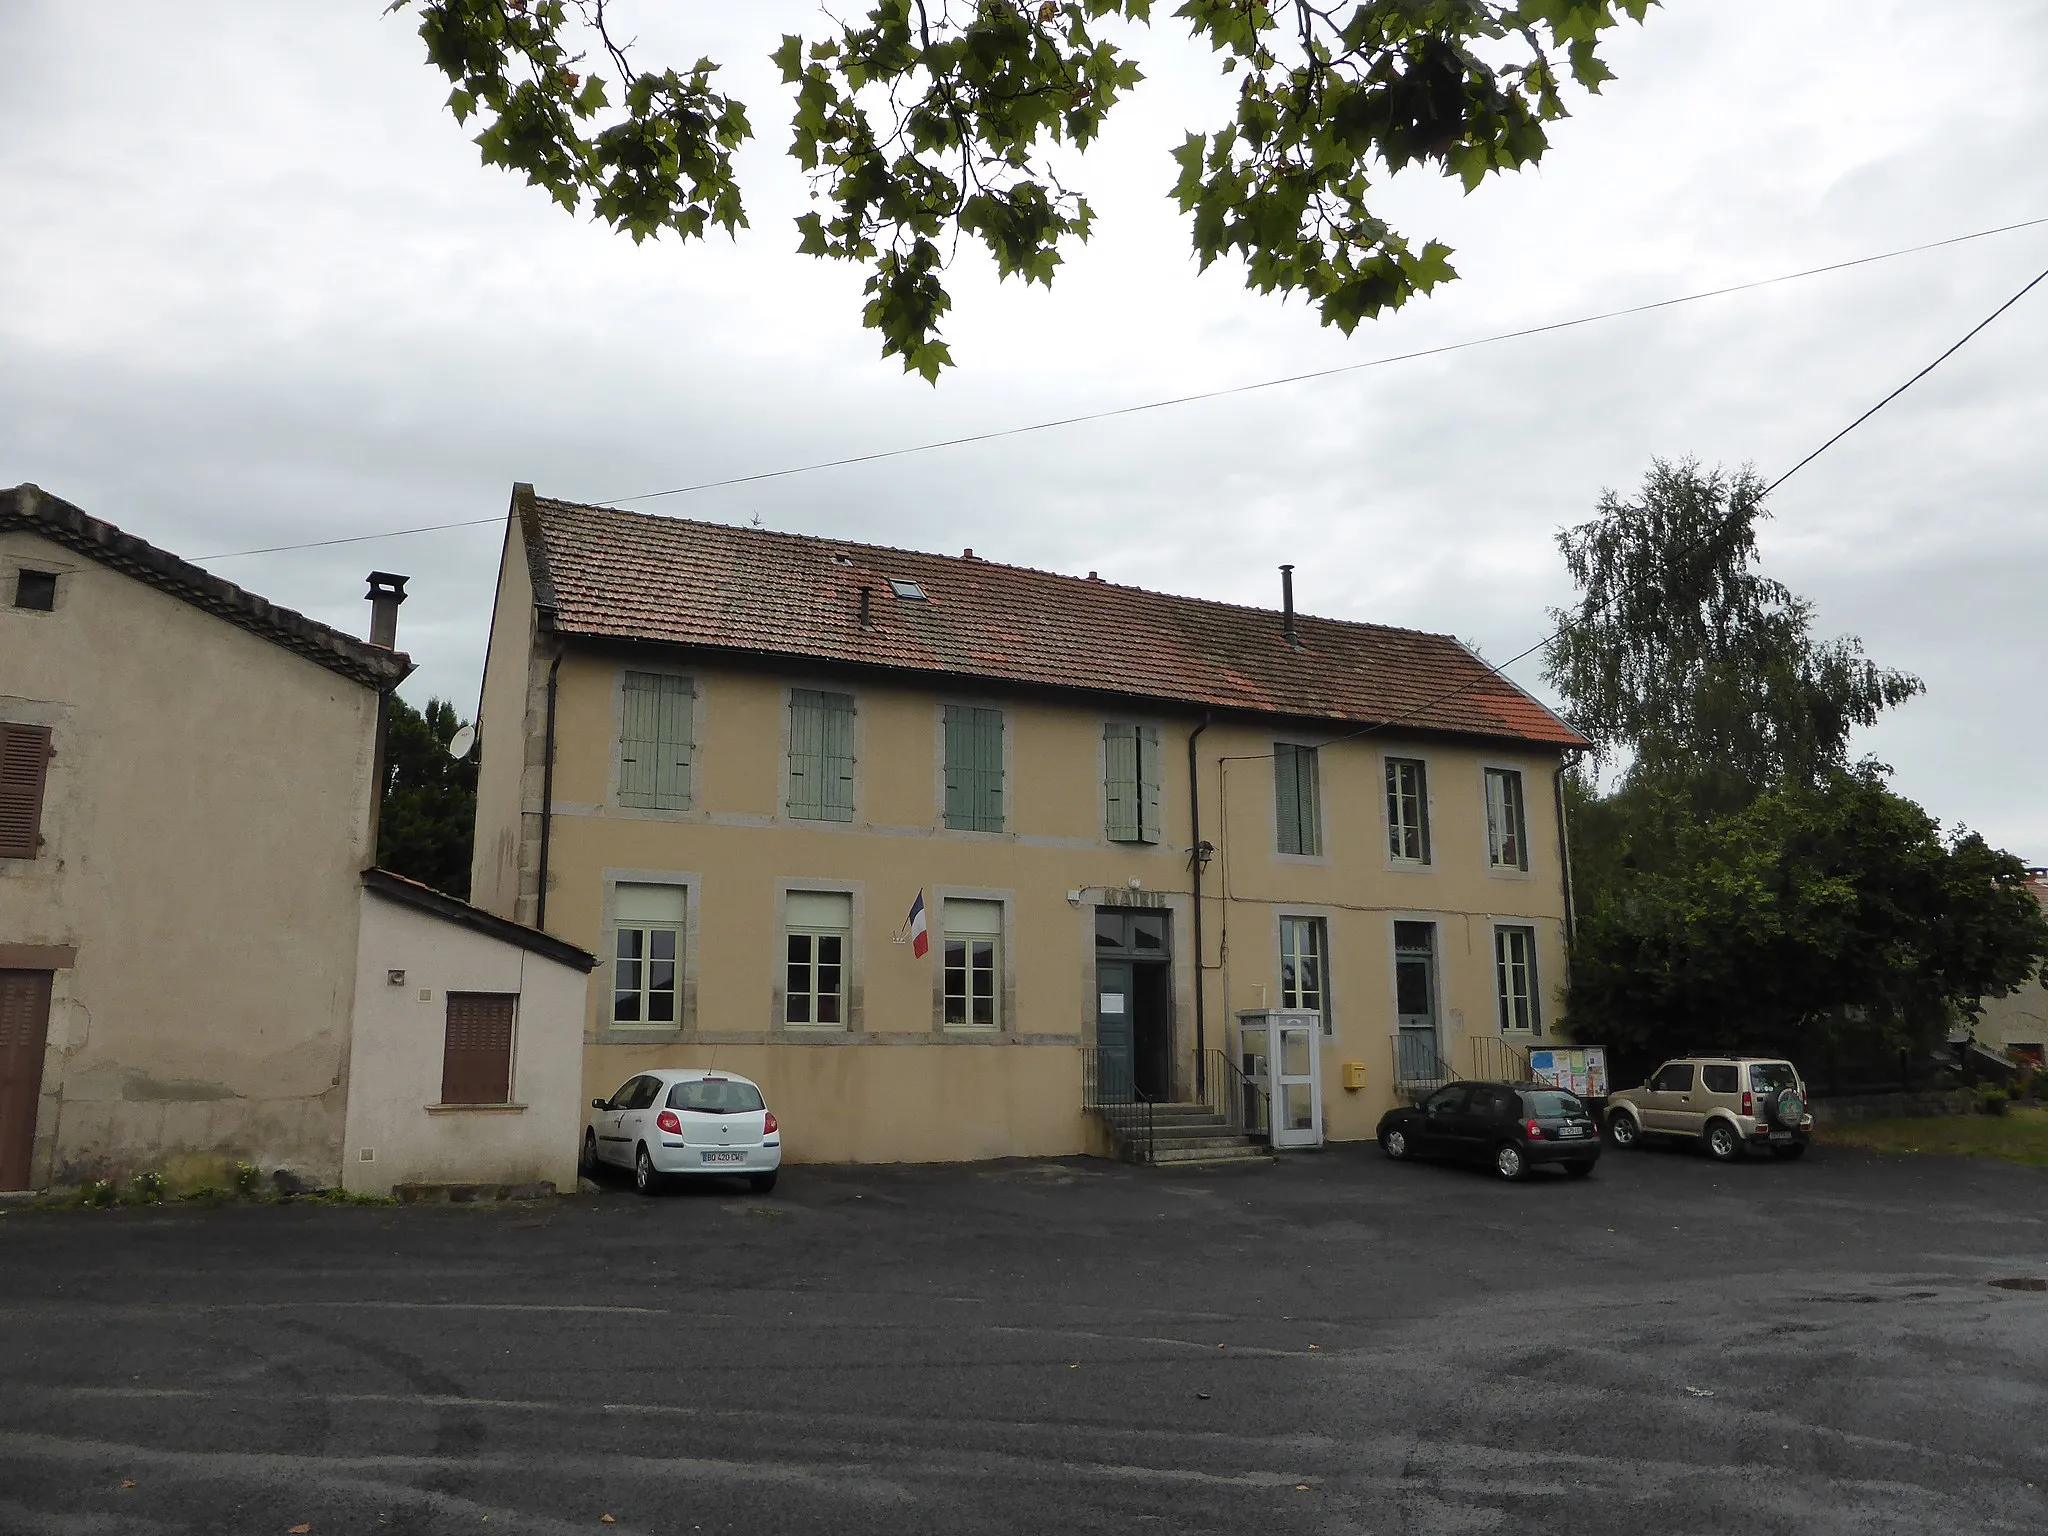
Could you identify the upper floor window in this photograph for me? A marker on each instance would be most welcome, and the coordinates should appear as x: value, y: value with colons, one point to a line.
x: 973, y: 991
x: 1304, y: 984
x: 974, y: 768
x: 819, y: 925
x: 1408, y: 810
x: 1130, y: 755
x: 1297, y: 797
x: 820, y: 755
x: 1507, y: 842
x: 655, y: 740
x: 35, y: 589
x: 24, y: 768
x: 1514, y: 963
x: 647, y: 962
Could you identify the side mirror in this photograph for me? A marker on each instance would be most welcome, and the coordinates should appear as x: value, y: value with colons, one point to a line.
x: 599, y: 1104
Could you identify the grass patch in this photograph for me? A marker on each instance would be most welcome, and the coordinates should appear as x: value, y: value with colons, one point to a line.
x: 2018, y: 1136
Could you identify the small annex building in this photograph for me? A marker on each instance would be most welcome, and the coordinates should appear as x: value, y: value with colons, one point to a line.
x: 188, y: 804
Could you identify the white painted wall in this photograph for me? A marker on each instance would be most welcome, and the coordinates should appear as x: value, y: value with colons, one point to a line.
x: 395, y: 1058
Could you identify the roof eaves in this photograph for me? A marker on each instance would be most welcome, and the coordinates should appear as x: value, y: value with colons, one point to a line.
x: 31, y: 509
x: 424, y: 898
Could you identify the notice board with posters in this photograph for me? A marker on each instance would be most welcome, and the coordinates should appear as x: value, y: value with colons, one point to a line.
x: 1580, y: 1068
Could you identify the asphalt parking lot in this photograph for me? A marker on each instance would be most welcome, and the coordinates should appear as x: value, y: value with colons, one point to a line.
x: 1333, y: 1344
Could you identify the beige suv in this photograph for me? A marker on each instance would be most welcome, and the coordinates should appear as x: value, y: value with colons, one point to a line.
x: 1728, y: 1104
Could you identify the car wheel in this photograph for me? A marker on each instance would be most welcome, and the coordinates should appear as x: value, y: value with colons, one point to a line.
x: 645, y: 1179
x: 1508, y: 1161
x: 1786, y: 1154
x: 761, y: 1183
x: 1723, y: 1145
x: 587, y: 1164
x: 1395, y: 1145
x: 1578, y: 1170
x: 1623, y: 1131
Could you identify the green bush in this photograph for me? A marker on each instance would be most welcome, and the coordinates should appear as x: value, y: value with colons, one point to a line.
x: 148, y: 1188
x: 96, y: 1194
x: 248, y: 1181
x: 1992, y: 1100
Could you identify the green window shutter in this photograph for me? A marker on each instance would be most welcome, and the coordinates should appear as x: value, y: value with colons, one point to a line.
x: 1287, y: 797
x: 806, y: 754
x: 1311, y: 800
x: 988, y: 799
x: 654, y: 741
x: 1148, y: 784
x: 836, y: 756
x: 959, y: 768
x: 1120, y: 782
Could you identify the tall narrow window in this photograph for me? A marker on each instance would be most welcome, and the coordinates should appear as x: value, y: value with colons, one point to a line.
x: 1304, y: 982
x: 1297, y: 796
x: 655, y: 740
x: 24, y: 767
x: 973, y: 982
x: 476, y: 1055
x: 1408, y: 810
x: 974, y: 769
x: 1514, y: 964
x: 819, y: 924
x: 1130, y: 755
x: 647, y: 962
x: 1507, y: 845
x: 820, y: 755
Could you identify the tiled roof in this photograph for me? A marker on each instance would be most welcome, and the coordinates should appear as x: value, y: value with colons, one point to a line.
x: 424, y: 898
x: 601, y: 573
x: 30, y: 508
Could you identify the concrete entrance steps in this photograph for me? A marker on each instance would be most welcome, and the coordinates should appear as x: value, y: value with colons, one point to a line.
x: 1194, y: 1133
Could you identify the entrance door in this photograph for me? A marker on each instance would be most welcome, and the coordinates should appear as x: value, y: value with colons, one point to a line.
x: 1115, y: 999
x: 24, y: 1032
x: 1415, y: 1002
x: 1297, y: 1080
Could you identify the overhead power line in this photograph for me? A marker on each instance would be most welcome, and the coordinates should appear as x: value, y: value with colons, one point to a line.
x: 1217, y: 394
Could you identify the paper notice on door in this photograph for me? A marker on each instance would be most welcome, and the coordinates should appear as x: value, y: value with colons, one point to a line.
x: 1112, y: 1002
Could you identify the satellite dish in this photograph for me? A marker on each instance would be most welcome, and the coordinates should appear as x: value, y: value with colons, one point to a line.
x: 460, y: 743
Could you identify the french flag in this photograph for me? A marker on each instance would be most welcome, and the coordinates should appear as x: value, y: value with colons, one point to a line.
x: 920, y: 942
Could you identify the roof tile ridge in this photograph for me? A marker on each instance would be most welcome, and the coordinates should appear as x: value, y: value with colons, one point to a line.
x: 1095, y: 583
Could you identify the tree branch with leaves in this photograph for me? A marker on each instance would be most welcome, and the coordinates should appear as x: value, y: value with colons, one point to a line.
x: 925, y: 122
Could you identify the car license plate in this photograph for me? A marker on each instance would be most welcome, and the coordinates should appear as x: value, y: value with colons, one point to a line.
x: 725, y: 1157
x: 1568, y: 1131
x: 1781, y: 1135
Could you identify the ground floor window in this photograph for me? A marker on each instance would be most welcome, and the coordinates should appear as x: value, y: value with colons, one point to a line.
x: 476, y: 1056
x: 1514, y: 963
x: 817, y: 927
x: 1304, y: 982
x: 973, y: 964
x: 647, y: 963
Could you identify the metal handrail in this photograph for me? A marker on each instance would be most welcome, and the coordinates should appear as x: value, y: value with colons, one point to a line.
x: 1497, y: 1060
x: 1419, y: 1066
x: 1242, y: 1104
x: 1111, y: 1094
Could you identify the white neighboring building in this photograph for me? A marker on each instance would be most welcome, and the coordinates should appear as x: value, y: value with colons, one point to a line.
x: 466, y: 1056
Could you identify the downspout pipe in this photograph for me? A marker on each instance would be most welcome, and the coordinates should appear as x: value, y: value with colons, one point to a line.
x: 1195, y: 863
x: 1564, y: 856
x: 547, y: 796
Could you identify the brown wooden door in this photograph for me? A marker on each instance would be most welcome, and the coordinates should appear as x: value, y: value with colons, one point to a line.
x: 24, y: 1031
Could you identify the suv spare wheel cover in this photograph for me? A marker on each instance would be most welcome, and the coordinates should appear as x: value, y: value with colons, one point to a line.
x: 1791, y: 1108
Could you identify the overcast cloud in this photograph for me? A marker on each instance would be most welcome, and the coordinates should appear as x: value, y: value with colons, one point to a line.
x: 256, y: 288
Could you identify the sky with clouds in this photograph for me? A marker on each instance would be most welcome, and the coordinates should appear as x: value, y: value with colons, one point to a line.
x: 256, y: 289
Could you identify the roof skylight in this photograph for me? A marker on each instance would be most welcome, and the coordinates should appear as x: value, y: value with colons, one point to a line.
x: 907, y: 589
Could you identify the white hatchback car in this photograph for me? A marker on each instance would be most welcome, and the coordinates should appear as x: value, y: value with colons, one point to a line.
x: 685, y: 1121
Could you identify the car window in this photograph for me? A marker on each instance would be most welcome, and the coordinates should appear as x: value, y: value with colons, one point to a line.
x: 715, y: 1096
x: 1721, y: 1079
x: 1673, y: 1078
x: 644, y: 1095
x: 1481, y: 1103
x: 1447, y: 1102
x: 623, y: 1099
x: 1555, y: 1104
x: 1771, y: 1076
